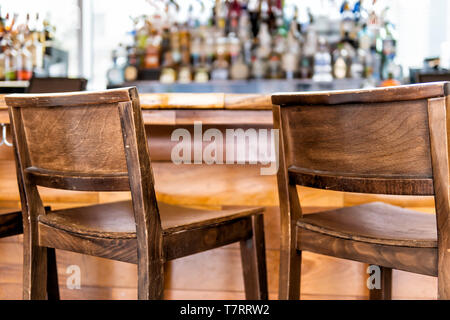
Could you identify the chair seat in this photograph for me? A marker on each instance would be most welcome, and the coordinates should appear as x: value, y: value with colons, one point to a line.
x: 116, y: 220
x: 10, y: 222
x: 376, y: 223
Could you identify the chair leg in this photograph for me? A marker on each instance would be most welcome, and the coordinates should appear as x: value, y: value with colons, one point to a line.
x: 52, y: 275
x: 290, y: 268
x: 385, y: 292
x: 151, y: 281
x: 253, y: 256
x: 444, y: 274
x: 34, y: 272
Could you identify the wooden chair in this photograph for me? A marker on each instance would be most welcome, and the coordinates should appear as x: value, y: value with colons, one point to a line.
x: 49, y: 85
x: 96, y: 142
x: 381, y: 141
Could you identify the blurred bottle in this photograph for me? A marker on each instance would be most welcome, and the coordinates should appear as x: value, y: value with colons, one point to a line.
x: 10, y: 55
x: 115, y: 74
x: 322, y: 63
x: 24, y: 63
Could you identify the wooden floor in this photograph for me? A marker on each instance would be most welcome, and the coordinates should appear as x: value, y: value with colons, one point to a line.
x: 215, y: 274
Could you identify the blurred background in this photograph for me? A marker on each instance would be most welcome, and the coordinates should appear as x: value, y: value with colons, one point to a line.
x: 215, y: 45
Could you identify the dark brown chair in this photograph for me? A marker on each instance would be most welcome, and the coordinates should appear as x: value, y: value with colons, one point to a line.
x: 96, y: 142
x: 381, y: 141
x: 53, y: 85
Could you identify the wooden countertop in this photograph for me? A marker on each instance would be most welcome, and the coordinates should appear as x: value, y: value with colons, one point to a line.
x: 185, y: 108
x: 198, y: 101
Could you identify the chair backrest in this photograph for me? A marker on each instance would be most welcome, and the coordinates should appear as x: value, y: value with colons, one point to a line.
x: 54, y: 85
x: 85, y: 141
x: 367, y: 141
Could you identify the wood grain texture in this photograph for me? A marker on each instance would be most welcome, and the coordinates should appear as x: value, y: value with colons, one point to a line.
x: 169, y: 101
x: 438, y: 112
x: 382, y: 141
x: 66, y: 98
x: 356, y: 141
x: 290, y: 213
x: 105, y: 143
x: 422, y: 260
x: 376, y: 223
x: 400, y: 93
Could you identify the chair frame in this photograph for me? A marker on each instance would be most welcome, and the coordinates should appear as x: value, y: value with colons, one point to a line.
x: 437, y: 97
x: 152, y: 248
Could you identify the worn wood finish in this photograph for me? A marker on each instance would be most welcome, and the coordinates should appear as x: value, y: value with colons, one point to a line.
x: 77, y: 181
x: 377, y: 95
x: 321, y: 147
x: 422, y: 260
x: 97, y: 139
x: 383, y: 141
x: 66, y: 99
x: 253, y: 256
x: 393, y: 185
x: 290, y: 212
x: 376, y: 223
x: 439, y: 115
x: 195, y: 101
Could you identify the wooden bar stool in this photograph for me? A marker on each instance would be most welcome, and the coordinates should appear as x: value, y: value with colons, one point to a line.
x: 381, y: 141
x: 96, y: 142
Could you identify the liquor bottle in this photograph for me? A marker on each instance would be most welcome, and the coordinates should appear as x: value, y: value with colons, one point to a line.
x: 310, y: 46
x: 239, y: 69
x: 357, y: 64
x: 221, y: 14
x: 234, y: 12
x: 168, y: 73
x: 10, y: 59
x: 115, y: 74
x: 264, y: 41
x: 290, y: 59
x: 165, y: 44
x: 37, y: 51
x: 390, y: 81
x: 340, y: 62
x: 184, y: 73
x: 274, y: 64
x: 24, y: 63
x: 259, y: 67
x: 201, y: 74
x: 322, y: 63
x: 196, y: 48
x: 347, y: 19
x: 365, y: 37
x: 152, y: 51
x: 220, y: 65
x: 175, y: 45
x: 131, y: 72
x: 2, y: 63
